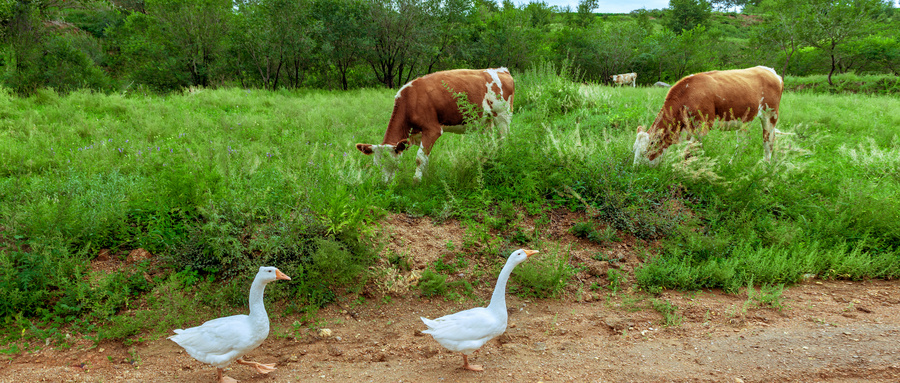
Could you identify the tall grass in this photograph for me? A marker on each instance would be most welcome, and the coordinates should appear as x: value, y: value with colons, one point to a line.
x: 218, y: 182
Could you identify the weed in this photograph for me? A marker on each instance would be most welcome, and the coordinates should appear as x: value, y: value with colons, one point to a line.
x: 769, y: 295
x: 614, y: 279
x: 546, y: 275
x: 432, y: 284
x: 668, y: 310
x: 589, y: 231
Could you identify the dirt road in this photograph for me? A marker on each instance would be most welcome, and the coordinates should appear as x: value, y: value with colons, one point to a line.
x: 825, y: 331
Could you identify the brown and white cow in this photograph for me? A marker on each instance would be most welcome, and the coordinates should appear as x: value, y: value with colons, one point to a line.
x: 427, y: 107
x: 622, y: 79
x: 696, y: 102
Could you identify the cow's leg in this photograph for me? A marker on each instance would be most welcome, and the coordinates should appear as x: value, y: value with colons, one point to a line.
x: 769, y: 119
x: 421, y: 164
x: 429, y: 136
x: 503, y: 116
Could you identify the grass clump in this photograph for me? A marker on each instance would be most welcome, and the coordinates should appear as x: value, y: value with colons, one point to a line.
x: 434, y: 284
x: 590, y: 232
x: 544, y: 275
x: 668, y: 310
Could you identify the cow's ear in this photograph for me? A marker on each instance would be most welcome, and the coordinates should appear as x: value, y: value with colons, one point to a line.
x: 401, y: 146
x: 640, y: 129
x: 365, y: 148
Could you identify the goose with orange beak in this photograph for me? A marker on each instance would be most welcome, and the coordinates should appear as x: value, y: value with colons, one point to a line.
x: 466, y: 331
x: 224, y: 340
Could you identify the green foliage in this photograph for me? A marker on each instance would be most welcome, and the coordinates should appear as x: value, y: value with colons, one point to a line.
x: 543, y: 276
x: 549, y: 90
x: 769, y: 295
x: 432, y: 284
x: 844, y: 83
x: 668, y: 310
x: 166, y: 45
x: 215, y: 183
x: 687, y: 14
x: 589, y: 231
x: 614, y: 277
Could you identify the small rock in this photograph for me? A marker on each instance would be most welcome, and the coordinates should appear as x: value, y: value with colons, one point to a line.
x: 617, y: 323
x: 598, y: 268
x: 334, y: 350
x: 540, y: 346
x: 324, y: 333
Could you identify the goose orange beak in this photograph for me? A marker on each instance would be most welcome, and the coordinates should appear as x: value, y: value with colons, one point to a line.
x: 280, y: 275
x: 529, y: 253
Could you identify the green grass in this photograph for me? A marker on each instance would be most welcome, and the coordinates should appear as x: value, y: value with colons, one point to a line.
x: 844, y: 83
x: 218, y: 182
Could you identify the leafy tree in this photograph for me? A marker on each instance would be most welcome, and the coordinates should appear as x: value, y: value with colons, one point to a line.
x: 504, y: 39
x: 452, y: 29
x: 586, y: 12
x: 602, y: 51
x: 731, y: 4
x: 259, y: 49
x: 344, y: 37
x: 143, y: 55
x: 194, y: 31
x: 877, y: 53
x: 685, y: 15
x: 779, y: 28
x: 829, y: 24
x: 540, y: 14
x: 38, y: 50
x: 399, y: 30
x: 274, y: 37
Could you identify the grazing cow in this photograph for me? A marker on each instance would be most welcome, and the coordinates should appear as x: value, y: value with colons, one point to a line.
x: 699, y: 100
x: 622, y: 79
x: 427, y: 107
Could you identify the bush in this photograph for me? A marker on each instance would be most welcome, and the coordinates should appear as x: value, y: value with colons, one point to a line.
x: 844, y: 83
x: 61, y: 62
x: 544, y: 275
x: 549, y: 90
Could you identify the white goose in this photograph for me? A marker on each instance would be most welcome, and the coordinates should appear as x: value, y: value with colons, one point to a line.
x: 466, y: 331
x: 223, y: 340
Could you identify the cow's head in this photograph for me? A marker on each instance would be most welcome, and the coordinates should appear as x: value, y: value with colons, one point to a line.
x: 387, y: 156
x: 641, y: 149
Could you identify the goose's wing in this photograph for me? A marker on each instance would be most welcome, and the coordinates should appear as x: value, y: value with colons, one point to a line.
x: 215, y: 341
x: 468, y: 325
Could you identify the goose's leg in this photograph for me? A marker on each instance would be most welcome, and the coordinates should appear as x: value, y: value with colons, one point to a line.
x: 472, y: 367
x: 262, y: 368
x: 221, y: 378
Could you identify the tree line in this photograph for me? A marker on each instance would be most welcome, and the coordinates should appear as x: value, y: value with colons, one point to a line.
x: 165, y: 45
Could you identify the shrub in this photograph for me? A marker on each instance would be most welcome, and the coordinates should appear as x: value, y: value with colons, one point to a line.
x: 549, y: 90
x: 544, y: 275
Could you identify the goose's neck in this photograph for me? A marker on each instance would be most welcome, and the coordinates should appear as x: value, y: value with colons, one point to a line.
x: 257, y: 307
x: 498, y: 298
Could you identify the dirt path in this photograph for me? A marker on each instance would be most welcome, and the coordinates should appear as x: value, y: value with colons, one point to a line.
x: 827, y: 331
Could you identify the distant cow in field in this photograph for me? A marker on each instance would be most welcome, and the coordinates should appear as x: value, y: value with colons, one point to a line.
x: 699, y: 100
x: 427, y: 107
x: 622, y: 79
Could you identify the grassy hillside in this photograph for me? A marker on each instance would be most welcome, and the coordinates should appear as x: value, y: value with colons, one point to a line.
x: 218, y: 182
